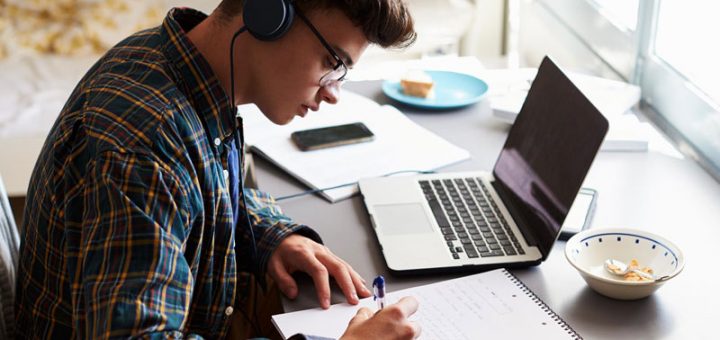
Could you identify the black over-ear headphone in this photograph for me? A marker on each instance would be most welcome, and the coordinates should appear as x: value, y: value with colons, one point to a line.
x: 268, y: 20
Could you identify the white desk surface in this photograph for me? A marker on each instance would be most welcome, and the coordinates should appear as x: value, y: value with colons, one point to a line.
x: 661, y: 193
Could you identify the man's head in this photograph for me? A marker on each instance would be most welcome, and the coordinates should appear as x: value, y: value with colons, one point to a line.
x: 386, y: 23
x: 290, y: 74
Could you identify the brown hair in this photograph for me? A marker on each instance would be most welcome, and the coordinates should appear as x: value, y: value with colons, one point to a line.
x: 384, y: 22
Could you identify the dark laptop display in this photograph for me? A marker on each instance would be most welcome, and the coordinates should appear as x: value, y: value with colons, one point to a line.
x: 547, y: 154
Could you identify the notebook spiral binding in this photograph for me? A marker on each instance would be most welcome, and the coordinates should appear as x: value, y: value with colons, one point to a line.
x: 545, y: 308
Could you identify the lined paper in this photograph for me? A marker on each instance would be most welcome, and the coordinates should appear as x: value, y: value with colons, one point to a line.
x: 481, y: 306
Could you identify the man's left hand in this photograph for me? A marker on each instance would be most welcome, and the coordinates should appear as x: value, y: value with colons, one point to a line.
x: 301, y: 253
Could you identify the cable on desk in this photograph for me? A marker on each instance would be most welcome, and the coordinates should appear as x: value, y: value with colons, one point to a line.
x: 303, y: 193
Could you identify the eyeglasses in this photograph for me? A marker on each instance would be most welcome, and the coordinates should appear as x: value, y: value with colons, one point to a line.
x: 339, y: 71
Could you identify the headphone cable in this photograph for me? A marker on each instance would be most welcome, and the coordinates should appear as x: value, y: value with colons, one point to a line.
x: 253, y: 323
x: 312, y: 191
x: 232, y: 63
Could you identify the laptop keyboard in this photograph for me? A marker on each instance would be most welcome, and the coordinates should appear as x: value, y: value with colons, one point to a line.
x: 468, y: 218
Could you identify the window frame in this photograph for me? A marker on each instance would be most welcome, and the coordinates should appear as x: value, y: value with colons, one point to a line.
x: 670, y: 95
x: 669, y: 100
x: 615, y: 46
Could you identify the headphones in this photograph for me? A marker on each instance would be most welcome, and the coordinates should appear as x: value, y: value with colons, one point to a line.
x: 268, y: 20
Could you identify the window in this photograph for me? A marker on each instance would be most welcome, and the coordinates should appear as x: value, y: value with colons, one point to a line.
x: 678, y: 71
x: 595, y: 36
x: 622, y: 13
x: 665, y: 46
x: 684, y: 35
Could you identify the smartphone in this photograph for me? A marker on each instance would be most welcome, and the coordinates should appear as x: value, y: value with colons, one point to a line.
x: 325, y: 137
x: 581, y: 213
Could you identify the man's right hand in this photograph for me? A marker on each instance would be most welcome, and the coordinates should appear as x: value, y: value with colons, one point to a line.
x: 389, y: 323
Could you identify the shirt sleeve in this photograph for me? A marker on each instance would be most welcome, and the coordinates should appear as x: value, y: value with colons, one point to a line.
x: 133, y: 277
x: 270, y: 227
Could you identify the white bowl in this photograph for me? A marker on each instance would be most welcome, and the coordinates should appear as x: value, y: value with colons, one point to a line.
x: 588, y: 250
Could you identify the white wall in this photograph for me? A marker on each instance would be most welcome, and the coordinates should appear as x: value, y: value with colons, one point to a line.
x: 205, y: 6
x: 485, y: 36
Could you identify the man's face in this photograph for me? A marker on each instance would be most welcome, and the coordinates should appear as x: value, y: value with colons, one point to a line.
x: 287, y: 72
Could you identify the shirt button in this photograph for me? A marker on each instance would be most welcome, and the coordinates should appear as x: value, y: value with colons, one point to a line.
x: 217, y: 141
x: 228, y: 311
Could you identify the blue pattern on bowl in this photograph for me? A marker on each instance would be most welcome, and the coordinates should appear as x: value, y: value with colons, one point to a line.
x: 587, y: 241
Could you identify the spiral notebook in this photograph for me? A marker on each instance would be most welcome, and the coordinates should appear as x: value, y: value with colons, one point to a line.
x: 490, y: 305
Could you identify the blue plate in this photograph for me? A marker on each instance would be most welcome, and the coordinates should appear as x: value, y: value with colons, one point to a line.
x: 452, y: 90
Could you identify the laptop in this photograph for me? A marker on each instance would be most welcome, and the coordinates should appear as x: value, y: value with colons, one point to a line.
x: 511, y: 217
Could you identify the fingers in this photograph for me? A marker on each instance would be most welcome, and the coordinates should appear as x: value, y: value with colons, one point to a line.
x: 399, y: 313
x: 299, y: 253
x: 359, y: 283
x: 416, y: 329
x: 284, y: 280
x: 351, y: 283
x: 408, y: 306
x: 389, y: 323
x: 339, y: 270
x: 361, y: 315
x: 319, y: 275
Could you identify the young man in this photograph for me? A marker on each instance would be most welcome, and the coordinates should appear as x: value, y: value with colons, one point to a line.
x: 137, y: 223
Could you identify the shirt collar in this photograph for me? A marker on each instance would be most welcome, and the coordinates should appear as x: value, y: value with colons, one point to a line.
x: 196, y: 77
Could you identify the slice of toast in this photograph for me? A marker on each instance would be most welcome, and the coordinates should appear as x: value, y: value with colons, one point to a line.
x: 417, y: 84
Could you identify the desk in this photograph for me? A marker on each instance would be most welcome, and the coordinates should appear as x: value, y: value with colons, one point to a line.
x: 663, y: 194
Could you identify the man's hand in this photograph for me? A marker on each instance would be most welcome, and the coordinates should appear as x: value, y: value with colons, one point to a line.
x: 301, y: 253
x: 389, y: 323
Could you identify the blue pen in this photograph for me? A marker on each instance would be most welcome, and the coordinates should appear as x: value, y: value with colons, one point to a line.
x: 379, y: 291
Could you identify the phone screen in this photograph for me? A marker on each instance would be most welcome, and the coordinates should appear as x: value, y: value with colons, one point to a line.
x: 330, y: 136
x: 581, y: 213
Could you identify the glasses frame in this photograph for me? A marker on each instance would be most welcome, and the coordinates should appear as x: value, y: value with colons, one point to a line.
x: 339, y: 63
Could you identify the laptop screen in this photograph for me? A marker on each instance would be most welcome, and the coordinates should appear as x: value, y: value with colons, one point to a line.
x: 547, y: 154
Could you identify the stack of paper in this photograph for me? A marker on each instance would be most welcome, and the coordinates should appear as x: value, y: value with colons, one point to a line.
x: 509, y: 87
x: 399, y: 145
x: 627, y: 133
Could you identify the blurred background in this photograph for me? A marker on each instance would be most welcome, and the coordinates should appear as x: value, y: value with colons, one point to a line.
x: 663, y: 47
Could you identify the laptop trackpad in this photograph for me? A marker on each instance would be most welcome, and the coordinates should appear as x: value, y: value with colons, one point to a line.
x: 399, y: 219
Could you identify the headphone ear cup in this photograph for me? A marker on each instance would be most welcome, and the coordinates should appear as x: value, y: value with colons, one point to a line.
x: 268, y: 20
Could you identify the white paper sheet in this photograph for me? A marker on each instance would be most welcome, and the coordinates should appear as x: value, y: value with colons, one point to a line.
x: 488, y: 305
x: 399, y: 145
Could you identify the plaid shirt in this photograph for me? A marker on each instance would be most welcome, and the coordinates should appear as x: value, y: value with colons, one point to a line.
x: 129, y: 227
